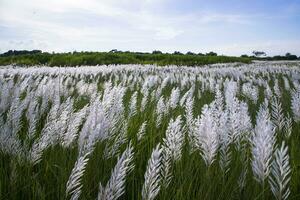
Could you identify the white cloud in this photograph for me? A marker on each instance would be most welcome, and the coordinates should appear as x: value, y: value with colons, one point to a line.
x: 279, y: 47
x: 137, y: 25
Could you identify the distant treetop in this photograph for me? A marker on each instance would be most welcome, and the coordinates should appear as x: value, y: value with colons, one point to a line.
x: 20, y: 52
x: 259, y: 53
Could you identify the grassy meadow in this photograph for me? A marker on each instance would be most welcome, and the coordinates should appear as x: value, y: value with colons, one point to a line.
x: 221, y: 131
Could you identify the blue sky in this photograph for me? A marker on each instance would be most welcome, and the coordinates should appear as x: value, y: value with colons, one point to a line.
x: 228, y: 27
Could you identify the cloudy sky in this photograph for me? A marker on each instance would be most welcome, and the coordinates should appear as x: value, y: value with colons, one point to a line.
x: 231, y: 27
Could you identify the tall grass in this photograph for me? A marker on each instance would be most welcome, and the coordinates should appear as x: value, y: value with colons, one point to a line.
x: 142, y: 132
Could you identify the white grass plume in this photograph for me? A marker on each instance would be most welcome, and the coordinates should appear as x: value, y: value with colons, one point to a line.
x: 174, y: 138
x: 262, y: 145
x: 296, y: 105
x: 280, y: 173
x: 167, y: 162
x: 74, y: 184
x: 142, y: 131
x: 75, y: 122
x: 189, y: 116
x: 174, y: 98
x: 277, y: 113
x: 114, y: 149
x: 144, y: 101
x: 133, y: 104
x: 225, y: 141
x: 116, y: 184
x: 172, y: 148
x: 288, y: 125
x: 161, y: 109
x: 277, y: 88
x: 206, y: 136
x: 151, y: 185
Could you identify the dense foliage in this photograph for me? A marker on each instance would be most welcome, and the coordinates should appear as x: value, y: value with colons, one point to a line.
x: 116, y: 57
x: 222, y: 131
x: 19, y: 52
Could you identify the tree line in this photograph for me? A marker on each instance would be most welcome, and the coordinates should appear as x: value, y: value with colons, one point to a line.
x: 261, y: 55
x: 37, y: 57
x: 114, y: 56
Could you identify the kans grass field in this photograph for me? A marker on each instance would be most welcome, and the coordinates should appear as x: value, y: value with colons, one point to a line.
x: 222, y: 131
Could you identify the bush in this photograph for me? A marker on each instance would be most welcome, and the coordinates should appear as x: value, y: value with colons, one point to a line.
x: 115, y: 57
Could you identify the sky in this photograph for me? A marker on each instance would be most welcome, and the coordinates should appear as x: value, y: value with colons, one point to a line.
x: 231, y: 27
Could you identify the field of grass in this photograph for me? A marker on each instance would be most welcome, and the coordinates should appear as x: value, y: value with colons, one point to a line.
x: 221, y: 131
x: 106, y: 58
